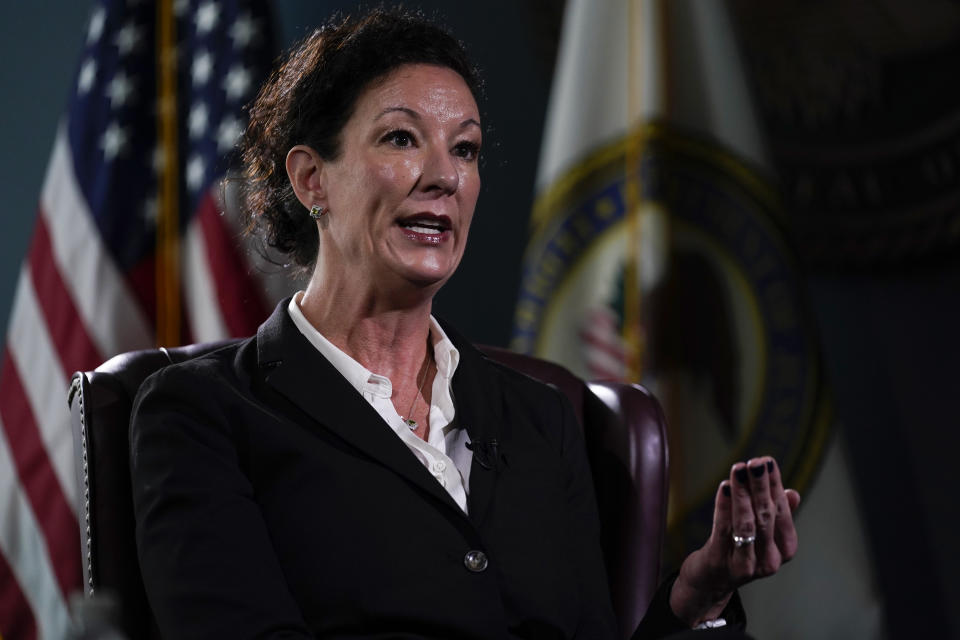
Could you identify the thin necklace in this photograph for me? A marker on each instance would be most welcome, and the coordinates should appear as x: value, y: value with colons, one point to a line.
x: 408, y: 421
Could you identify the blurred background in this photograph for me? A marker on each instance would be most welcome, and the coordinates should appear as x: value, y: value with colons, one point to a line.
x: 830, y: 134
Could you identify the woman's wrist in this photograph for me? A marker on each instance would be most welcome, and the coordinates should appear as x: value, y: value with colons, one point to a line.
x: 693, y: 604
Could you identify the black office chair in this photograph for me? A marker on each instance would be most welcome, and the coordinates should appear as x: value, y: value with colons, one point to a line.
x: 624, y: 430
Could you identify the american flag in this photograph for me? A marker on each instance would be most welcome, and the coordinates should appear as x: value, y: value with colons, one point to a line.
x: 153, y: 115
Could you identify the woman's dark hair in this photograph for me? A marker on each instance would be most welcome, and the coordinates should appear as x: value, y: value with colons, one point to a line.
x: 309, y: 98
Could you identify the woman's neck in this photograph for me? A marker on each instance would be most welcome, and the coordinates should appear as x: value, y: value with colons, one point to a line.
x: 384, y: 336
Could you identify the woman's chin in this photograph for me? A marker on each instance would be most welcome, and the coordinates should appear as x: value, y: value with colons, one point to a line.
x: 428, y: 273
x: 428, y: 280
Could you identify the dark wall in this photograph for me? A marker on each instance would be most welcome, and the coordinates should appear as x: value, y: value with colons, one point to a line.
x: 890, y: 345
x: 39, y: 60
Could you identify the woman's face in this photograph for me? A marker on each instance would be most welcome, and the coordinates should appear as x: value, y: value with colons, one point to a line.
x: 402, y: 192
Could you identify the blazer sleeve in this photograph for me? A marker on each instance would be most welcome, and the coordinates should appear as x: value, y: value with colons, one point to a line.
x: 204, y: 550
x: 660, y: 622
x: 597, y: 619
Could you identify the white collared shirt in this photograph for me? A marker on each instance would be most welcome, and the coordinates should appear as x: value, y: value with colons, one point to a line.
x: 451, y: 471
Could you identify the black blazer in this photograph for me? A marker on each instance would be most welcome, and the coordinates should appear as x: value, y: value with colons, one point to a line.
x: 272, y: 501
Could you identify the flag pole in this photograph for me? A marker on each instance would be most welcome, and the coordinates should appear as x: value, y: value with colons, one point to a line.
x: 168, y: 249
x: 648, y: 101
x: 632, y: 334
x: 647, y: 95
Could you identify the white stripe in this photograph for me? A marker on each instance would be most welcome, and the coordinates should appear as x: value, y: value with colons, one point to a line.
x: 605, y: 336
x: 109, y: 311
x: 21, y: 543
x: 43, y: 381
x: 200, y: 291
x: 600, y: 361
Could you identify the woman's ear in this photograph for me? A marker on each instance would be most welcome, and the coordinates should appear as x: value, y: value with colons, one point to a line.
x: 305, y: 171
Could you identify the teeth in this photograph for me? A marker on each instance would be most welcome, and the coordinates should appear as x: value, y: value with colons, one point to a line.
x: 421, y: 229
x: 432, y: 227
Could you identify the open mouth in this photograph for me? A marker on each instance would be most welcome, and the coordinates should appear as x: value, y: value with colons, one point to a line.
x: 427, y: 225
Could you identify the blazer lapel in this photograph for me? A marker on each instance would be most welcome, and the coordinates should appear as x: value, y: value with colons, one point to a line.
x: 294, y: 368
x: 477, y: 396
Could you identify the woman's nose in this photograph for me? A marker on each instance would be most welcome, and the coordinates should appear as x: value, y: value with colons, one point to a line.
x: 440, y: 171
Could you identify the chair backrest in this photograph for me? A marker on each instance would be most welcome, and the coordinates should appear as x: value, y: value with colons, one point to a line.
x: 624, y: 430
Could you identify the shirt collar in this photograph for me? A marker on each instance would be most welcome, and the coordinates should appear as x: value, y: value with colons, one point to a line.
x: 444, y: 353
x: 446, y: 356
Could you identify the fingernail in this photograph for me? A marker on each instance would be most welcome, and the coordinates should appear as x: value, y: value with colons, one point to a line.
x: 770, y: 466
x: 758, y: 470
x: 725, y: 489
x: 741, y: 475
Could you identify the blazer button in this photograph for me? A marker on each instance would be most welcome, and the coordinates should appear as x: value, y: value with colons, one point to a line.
x: 475, y: 561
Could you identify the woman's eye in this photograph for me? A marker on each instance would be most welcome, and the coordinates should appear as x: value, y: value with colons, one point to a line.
x: 466, y: 150
x: 399, y: 138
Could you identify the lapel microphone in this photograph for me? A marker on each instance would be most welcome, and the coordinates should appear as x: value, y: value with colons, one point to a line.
x: 486, y: 453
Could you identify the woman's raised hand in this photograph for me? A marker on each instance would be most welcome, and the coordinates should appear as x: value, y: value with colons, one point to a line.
x: 753, y: 535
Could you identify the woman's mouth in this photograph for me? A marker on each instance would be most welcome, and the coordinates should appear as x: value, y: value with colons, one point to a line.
x: 427, y: 229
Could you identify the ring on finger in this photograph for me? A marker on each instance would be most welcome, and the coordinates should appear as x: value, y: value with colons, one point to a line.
x: 740, y: 541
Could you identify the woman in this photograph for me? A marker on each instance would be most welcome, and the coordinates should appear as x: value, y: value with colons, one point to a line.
x: 333, y: 475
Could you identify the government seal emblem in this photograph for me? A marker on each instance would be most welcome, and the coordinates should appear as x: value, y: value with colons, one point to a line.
x: 682, y: 249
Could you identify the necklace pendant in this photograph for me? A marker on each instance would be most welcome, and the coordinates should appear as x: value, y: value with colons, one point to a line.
x: 410, y: 423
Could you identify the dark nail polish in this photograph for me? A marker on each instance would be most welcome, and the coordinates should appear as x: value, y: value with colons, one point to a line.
x: 726, y: 490
x: 741, y: 475
x: 770, y: 466
x: 758, y: 470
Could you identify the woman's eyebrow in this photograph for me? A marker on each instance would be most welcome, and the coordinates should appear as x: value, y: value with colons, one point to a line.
x: 406, y: 110
x: 413, y: 114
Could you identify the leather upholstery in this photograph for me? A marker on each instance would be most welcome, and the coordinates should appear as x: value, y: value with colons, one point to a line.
x: 624, y: 432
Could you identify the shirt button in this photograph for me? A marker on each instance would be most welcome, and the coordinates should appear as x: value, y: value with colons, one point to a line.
x: 439, y: 466
x: 475, y: 561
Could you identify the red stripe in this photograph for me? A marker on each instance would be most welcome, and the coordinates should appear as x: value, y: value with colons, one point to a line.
x: 598, y: 372
x: 602, y: 343
x: 239, y: 294
x: 142, y: 278
x: 605, y: 317
x: 16, y: 619
x: 46, y: 496
x: 64, y: 324
x: 605, y: 341
x: 603, y: 323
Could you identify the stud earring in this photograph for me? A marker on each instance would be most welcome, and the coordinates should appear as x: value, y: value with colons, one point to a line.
x: 316, y: 212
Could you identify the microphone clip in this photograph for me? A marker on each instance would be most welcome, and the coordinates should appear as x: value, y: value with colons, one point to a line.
x: 486, y: 453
